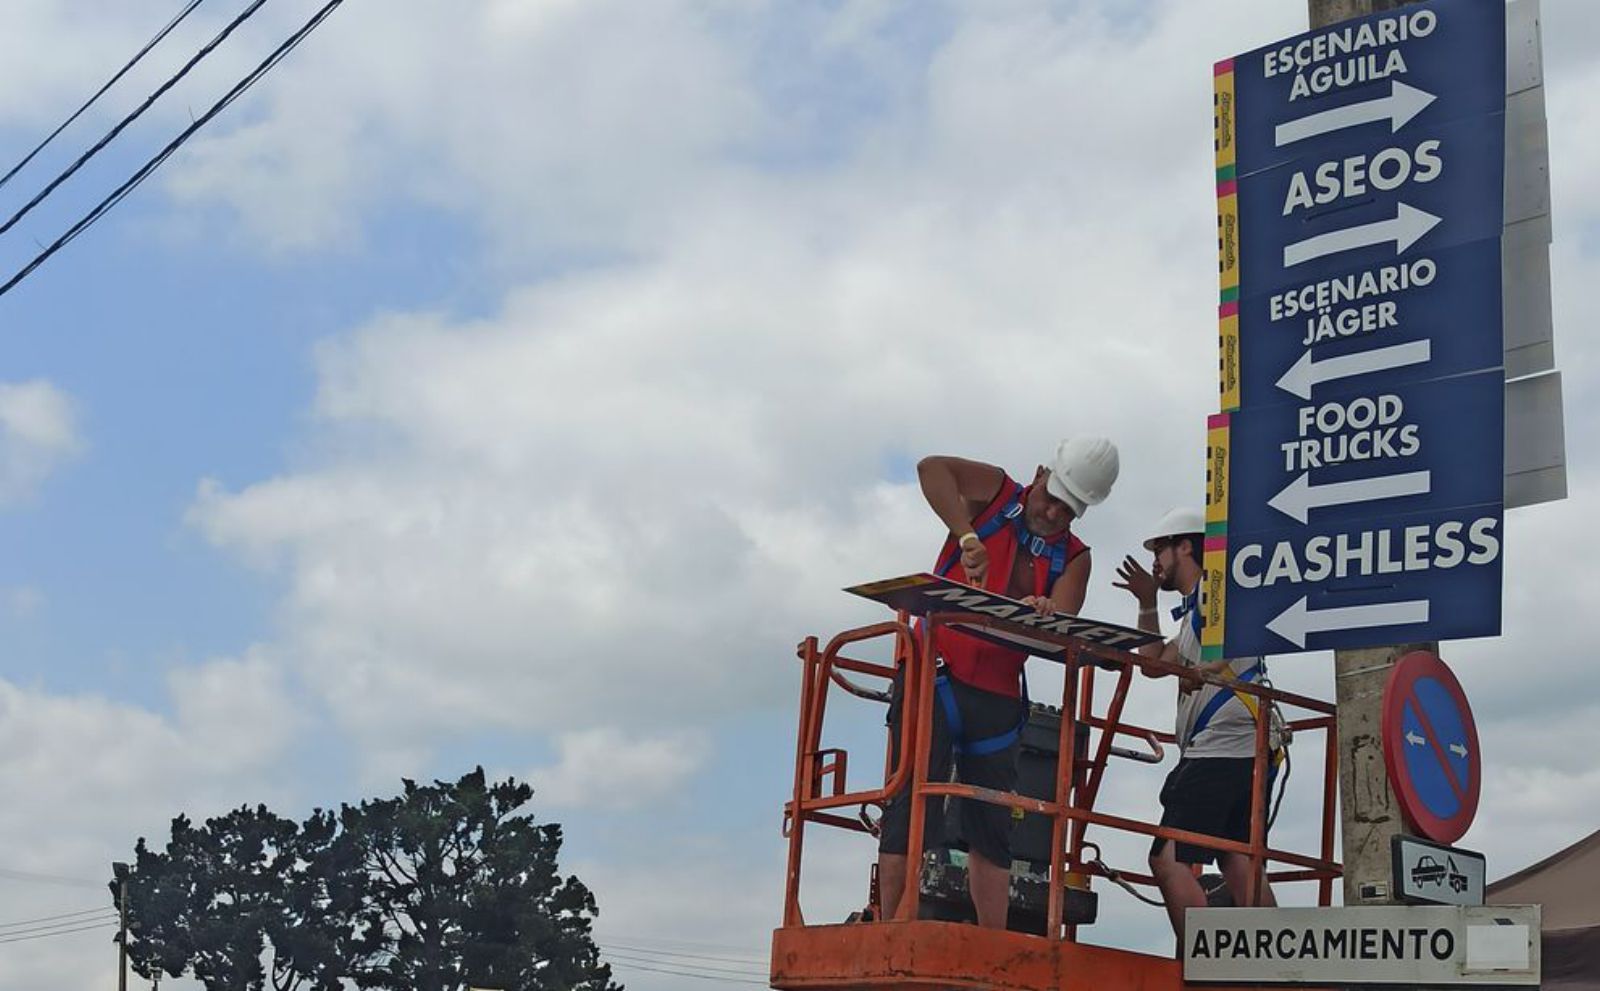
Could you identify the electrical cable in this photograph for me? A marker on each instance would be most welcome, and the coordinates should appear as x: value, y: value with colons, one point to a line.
x: 138, y: 111
x: 52, y: 918
x: 686, y: 973
x: 110, y: 924
x: 149, y: 167
x: 690, y: 944
x: 111, y: 917
x: 1283, y: 787
x: 616, y: 955
x: 153, y: 42
x: 671, y: 953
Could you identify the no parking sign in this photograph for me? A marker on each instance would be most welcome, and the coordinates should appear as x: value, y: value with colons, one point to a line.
x: 1430, y: 745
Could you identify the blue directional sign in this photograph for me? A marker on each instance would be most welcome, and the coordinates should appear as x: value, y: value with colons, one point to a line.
x: 1356, y: 471
x: 1430, y: 745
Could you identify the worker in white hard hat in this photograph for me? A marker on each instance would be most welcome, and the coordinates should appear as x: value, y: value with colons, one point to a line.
x: 1016, y: 540
x: 1209, y: 789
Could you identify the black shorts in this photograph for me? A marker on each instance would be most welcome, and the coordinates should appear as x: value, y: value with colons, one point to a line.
x: 985, y: 827
x: 1208, y: 795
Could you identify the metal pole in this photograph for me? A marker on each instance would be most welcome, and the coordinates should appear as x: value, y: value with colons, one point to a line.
x: 122, y: 939
x: 1368, y: 815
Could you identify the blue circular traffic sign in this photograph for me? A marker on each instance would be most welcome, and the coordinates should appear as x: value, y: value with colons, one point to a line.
x: 1430, y: 747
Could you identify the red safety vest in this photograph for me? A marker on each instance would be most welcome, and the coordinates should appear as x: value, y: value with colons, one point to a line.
x: 975, y: 661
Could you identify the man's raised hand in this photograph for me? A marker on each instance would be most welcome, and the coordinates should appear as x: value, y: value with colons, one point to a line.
x: 1137, y: 581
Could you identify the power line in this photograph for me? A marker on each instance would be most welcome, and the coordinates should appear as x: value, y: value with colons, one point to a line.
x: 687, y: 973
x: 138, y: 111
x: 153, y: 42
x: 701, y: 968
x: 46, y: 930
x: 745, y: 950
x: 52, y: 918
x: 110, y: 924
x: 149, y: 167
x: 688, y: 956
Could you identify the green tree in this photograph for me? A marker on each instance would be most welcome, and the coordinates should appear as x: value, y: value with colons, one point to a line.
x: 220, y: 897
x: 441, y: 888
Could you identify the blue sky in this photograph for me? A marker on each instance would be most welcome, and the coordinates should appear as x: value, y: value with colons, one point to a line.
x: 515, y: 383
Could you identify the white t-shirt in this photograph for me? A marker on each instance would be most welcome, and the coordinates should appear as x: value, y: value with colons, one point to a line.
x: 1231, y: 730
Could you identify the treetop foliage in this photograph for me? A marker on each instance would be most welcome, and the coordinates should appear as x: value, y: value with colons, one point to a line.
x: 441, y: 888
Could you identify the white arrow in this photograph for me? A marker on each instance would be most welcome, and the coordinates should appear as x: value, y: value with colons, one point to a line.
x: 1414, y: 739
x: 1459, y: 750
x: 1295, y: 622
x: 1403, y: 103
x: 1299, y: 497
x: 1306, y: 373
x: 1407, y: 227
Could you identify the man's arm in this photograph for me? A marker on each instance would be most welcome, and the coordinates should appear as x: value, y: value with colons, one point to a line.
x: 1067, y: 594
x: 1142, y: 586
x: 957, y: 490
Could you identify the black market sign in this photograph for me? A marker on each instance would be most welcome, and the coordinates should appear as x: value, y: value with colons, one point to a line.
x: 925, y: 594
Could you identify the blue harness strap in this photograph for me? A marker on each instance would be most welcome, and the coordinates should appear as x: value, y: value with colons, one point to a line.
x: 989, y: 744
x: 1009, y: 513
x: 1190, y: 606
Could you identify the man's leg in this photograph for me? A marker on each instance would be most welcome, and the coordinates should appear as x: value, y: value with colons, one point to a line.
x: 1236, y: 867
x: 891, y: 882
x: 1180, y: 889
x: 986, y: 827
x: 1236, y: 871
x: 895, y: 826
x: 990, y: 886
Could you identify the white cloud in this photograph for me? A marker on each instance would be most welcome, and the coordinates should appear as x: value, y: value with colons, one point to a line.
x: 580, y: 122
x: 240, y: 711
x: 89, y: 775
x: 38, y: 432
x: 606, y: 768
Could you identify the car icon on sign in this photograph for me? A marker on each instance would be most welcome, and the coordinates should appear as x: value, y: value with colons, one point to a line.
x: 1430, y: 871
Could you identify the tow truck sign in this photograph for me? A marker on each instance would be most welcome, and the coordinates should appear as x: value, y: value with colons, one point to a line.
x: 1355, y: 475
x: 1431, y: 873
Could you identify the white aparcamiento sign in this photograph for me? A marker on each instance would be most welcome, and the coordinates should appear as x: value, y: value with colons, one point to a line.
x: 1418, y: 946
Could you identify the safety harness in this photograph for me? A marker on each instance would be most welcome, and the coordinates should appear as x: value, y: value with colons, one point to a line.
x: 1255, y: 672
x: 1050, y: 557
x: 946, y: 693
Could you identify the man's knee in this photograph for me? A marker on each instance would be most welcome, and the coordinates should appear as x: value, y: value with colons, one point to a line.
x: 1163, y: 858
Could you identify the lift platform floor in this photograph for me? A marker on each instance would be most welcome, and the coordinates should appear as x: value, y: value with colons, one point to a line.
x: 935, y: 956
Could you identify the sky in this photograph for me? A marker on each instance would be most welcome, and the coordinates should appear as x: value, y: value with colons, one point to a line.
x: 515, y: 383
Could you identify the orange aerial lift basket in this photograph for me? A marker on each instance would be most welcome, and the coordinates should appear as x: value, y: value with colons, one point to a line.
x: 914, y: 953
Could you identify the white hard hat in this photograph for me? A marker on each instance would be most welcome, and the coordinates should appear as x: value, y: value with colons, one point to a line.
x: 1084, y: 471
x: 1176, y: 523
